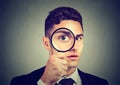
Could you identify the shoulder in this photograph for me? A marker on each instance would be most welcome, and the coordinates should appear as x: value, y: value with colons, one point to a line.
x: 28, y: 79
x: 90, y: 79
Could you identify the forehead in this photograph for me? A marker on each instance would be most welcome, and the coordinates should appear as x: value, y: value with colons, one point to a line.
x: 72, y: 25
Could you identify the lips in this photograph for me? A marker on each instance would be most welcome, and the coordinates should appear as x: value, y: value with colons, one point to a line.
x: 73, y: 57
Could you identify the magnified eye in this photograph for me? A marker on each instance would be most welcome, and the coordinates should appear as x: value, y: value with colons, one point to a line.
x: 63, y: 38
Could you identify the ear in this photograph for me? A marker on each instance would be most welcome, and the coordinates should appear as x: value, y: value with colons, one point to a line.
x: 46, y: 43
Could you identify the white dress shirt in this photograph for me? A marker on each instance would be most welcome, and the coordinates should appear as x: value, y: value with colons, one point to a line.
x: 75, y: 76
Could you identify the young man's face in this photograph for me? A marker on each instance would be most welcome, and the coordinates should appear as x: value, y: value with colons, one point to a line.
x: 73, y: 55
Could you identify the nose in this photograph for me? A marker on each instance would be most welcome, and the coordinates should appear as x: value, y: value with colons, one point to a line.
x: 76, y: 46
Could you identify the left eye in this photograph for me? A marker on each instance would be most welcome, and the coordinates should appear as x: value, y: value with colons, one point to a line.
x: 78, y: 38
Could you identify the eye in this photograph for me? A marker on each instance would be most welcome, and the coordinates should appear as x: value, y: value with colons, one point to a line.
x: 63, y: 38
x: 79, y: 38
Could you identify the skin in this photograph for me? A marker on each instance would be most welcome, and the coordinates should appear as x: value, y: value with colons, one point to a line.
x: 62, y: 64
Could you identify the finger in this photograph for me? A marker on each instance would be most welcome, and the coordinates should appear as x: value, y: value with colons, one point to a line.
x: 61, y: 61
x: 60, y: 55
x: 61, y: 64
x: 62, y: 69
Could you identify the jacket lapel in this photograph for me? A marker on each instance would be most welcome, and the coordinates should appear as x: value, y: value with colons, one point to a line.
x: 83, y: 77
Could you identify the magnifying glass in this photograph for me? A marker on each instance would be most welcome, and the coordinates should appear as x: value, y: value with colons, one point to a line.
x: 62, y: 39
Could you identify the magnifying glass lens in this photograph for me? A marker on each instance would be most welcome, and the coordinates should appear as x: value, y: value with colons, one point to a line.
x: 62, y: 39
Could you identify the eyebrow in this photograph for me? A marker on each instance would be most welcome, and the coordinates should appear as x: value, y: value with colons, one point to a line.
x: 64, y: 32
x: 80, y: 35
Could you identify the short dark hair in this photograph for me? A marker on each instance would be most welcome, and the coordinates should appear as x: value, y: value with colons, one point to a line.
x: 61, y: 13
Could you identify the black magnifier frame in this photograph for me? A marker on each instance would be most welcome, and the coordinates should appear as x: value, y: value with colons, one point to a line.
x: 61, y: 43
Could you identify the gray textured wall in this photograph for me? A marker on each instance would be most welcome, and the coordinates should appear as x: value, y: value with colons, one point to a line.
x: 22, y: 27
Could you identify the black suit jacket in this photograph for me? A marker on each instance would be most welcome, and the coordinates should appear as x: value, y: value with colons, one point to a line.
x: 33, y: 77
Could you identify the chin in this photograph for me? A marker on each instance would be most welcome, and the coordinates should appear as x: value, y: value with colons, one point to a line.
x: 73, y: 65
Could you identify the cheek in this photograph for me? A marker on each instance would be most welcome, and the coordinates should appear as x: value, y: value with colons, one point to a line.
x: 81, y: 47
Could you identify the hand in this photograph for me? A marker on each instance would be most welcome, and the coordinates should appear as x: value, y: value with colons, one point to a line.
x: 55, y: 69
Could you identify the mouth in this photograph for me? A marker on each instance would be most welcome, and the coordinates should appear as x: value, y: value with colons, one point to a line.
x: 73, y: 57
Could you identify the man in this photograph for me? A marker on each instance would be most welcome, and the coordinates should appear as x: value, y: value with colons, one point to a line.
x: 61, y: 67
